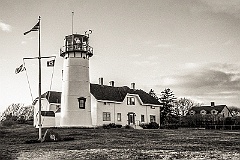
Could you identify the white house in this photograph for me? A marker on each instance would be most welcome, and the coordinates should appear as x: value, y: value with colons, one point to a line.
x: 109, y: 104
x: 83, y: 104
x: 211, y: 110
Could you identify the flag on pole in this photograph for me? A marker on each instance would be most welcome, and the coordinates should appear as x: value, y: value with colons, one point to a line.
x: 20, y: 69
x: 35, y: 28
x: 50, y: 63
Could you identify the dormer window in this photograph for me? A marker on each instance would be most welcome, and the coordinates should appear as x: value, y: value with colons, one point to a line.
x: 81, y: 102
x: 203, y: 112
x: 192, y: 112
x: 130, y: 101
x: 214, y: 111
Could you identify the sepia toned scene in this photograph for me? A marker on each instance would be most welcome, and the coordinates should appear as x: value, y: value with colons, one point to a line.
x: 120, y: 79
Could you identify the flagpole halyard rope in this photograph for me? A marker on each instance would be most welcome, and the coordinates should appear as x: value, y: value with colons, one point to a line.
x: 28, y: 81
x: 52, y: 74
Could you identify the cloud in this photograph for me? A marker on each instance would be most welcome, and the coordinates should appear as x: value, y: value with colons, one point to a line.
x: 230, y: 7
x: 226, y: 76
x: 206, y: 82
x: 5, y: 27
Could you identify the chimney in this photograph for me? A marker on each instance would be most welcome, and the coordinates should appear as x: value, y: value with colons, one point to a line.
x: 101, y: 81
x: 212, y: 104
x: 111, y: 83
x: 132, y: 85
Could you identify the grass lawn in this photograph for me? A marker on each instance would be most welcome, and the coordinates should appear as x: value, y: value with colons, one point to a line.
x: 121, y: 144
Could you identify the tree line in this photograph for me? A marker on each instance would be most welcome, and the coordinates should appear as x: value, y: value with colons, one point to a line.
x: 174, y: 111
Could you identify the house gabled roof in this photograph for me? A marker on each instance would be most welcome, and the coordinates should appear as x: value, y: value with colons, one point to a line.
x: 118, y: 94
x: 51, y: 96
x: 107, y: 93
x: 208, y: 109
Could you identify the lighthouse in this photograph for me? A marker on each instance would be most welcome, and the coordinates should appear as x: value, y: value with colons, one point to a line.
x: 76, y: 98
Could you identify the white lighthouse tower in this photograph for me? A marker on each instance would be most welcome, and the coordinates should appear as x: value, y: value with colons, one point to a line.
x: 76, y: 99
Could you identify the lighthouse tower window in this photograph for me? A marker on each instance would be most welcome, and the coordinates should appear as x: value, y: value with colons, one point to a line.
x: 81, y: 102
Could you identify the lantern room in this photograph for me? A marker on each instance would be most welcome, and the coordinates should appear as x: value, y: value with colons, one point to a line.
x: 77, y: 43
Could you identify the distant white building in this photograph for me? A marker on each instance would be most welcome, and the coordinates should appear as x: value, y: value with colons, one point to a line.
x: 211, y: 110
x: 83, y: 104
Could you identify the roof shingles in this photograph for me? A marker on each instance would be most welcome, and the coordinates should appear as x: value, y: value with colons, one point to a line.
x: 108, y: 93
x: 118, y: 94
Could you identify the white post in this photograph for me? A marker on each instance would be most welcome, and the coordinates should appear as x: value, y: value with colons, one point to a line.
x: 39, y: 96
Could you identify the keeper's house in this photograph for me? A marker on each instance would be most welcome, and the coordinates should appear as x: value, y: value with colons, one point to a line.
x: 109, y: 104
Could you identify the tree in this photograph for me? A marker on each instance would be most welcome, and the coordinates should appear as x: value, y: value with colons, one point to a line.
x: 167, y: 112
x: 153, y: 94
x: 235, y: 111
x: 183, y: 105
x: 18, y: 111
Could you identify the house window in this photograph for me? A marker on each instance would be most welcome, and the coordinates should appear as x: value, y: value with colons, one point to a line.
x: 119, y: 117
x: 213, y: 111
x: 203, y: 112
x: 192, y: 112
x: 130, y: 101
x: 106, y: 116
x: 152, y: 118
x: 142, y: 118
x: 81, y: 102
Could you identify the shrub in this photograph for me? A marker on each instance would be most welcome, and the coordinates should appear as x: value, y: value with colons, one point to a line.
x: 8, y: 123
x: 169, y: 126
x: 128, y: 127
x: 112, y: 125
x: 144, y: 125
x: 21, y: 120
x: 118, y: 125
x: 106, y: 126
x: 151, y: 125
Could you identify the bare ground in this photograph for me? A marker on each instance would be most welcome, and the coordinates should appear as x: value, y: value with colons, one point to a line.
x: 121, y: 144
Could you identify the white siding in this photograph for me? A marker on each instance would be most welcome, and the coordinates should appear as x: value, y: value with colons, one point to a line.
x: 124, y: 109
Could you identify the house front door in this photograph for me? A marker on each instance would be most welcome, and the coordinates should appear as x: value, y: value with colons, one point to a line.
x: 131, y: 118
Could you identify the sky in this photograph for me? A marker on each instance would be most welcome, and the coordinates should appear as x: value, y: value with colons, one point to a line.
x: 189, y: 46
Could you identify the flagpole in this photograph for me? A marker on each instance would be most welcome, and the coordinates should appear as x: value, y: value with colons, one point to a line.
x: 72, y: 22
x: 72, y: 31
x: 39, y: 96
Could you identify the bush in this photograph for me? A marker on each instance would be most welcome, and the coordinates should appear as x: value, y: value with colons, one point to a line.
x: 169, y: 126
x: 111, y: 125
x: 144, y: 125
x: 118, y: 125
x: 151, y: 125
x: 128, y: 127
x: 106, y: 126
x: 21, y: 120
x: 8, y: 123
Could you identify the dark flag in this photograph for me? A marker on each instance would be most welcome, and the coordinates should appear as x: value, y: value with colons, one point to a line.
x: 20, y: 69
x: 35, y: 28
x: 50, y: 63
